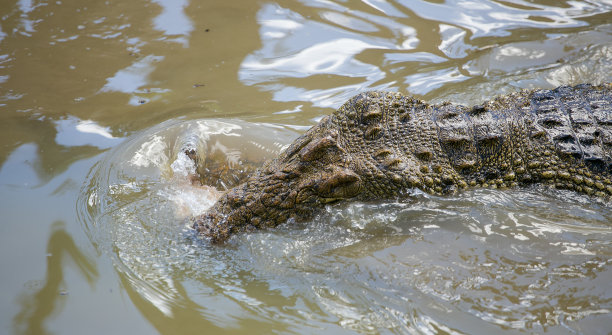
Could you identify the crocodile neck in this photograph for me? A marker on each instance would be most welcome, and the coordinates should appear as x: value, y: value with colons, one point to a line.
x: 559, y: 137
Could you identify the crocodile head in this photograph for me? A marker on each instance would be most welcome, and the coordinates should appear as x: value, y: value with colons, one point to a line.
x: 314, y: 171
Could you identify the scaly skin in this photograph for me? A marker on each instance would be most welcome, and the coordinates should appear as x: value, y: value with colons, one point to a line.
x: 382, y: 145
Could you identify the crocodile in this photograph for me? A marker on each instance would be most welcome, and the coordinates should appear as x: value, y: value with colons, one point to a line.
x: 384, y: 145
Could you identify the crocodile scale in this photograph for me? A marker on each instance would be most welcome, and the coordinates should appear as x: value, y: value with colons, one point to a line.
x: 382, y: 145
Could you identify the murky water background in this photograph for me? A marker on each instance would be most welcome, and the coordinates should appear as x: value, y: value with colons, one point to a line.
x: 98, y: 97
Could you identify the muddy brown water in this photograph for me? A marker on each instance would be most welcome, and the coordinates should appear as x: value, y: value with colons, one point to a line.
x: 98, y: 97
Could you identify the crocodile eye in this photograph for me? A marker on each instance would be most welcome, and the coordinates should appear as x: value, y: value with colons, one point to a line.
x: 318, y: 148
x: 297, y: 145
x: 340, y: 184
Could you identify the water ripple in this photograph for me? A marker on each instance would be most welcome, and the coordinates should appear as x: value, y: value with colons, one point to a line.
x: 483, y: 260
x: 418, y: 46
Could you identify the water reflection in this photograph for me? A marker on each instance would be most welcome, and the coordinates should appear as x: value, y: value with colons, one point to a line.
x: 132, y: 77
x: 78, y: 77
x: 75, y: 132
x: 173, y: 21
x: 296, y: 46
x: 34, y: 164
x: 191, y: 307
x: 425, y: 46
x: 95, y: 54
x: 26, y: 6
x: 497, y: 18
x: 36, y: 308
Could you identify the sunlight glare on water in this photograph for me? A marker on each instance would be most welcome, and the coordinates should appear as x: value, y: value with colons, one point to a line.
x: 329, y: 38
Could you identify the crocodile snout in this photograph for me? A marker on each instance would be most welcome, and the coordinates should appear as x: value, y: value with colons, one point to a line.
x: 212, y: 224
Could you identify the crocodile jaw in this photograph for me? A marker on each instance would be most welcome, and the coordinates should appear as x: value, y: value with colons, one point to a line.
x: 312, y: 172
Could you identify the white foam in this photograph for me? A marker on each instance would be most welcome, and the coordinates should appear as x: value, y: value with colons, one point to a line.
x: 183, y: 165
x: 191, y: 200
x: 151, y: 153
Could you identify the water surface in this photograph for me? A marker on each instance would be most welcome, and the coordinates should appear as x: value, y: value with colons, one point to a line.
x: 98, y: 98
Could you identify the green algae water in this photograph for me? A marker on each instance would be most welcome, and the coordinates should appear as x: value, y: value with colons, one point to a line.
x: 98, y: 99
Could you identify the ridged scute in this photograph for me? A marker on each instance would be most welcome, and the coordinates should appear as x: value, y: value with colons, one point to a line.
x: 579, y: 122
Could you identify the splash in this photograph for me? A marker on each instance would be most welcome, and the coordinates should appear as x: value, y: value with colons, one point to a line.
x: 495, y: 257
